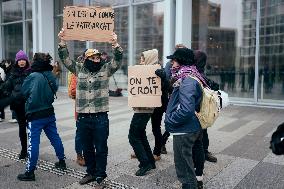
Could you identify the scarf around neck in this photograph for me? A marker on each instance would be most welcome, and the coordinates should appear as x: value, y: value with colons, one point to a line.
x: 187, y: 71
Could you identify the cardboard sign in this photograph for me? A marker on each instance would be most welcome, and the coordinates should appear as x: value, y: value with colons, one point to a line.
x: 144, y: 86
x: 88, y: 23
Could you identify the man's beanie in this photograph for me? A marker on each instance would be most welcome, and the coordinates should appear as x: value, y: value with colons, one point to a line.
x: 21, y: 55
x: 183, y: 56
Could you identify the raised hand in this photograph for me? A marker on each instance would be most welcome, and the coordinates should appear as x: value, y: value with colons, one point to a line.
x: 113, y: 40
x: 61, y: 36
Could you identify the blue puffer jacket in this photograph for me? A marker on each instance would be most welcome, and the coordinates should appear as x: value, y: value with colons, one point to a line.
x: 37, y: 91
x: 184, y: 101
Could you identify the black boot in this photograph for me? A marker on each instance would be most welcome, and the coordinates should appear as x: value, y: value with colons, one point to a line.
x: 61, y: 164
x: 27, y: 176
x: 100, y: 179
x: 209, y: 157
x: 23, y: 155
x: 143, y: 170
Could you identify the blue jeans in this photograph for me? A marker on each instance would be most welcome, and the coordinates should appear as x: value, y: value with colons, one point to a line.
x: 94, y: 131
x: 78, y: 143
x: 34, y: 130
x: 183, y: 145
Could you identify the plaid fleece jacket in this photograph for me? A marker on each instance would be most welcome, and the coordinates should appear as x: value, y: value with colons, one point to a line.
x: 92, y: 87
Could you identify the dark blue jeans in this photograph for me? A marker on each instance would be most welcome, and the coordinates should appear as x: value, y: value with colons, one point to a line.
x: 78, y: 143
x: 183, y: 145
x: 138, y: 139
x: 94, y: 131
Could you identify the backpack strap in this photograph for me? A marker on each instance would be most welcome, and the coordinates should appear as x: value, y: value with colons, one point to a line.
x: 49, y: 83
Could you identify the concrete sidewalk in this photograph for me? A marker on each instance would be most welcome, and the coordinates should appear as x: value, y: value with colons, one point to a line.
x: 240, y: 139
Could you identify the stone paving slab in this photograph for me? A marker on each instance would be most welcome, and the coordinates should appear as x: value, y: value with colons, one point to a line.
x: 264, y: 176
x: 230, y: 176
x: 239, y: 138
x: 249, y: 147
x: 8, y: 178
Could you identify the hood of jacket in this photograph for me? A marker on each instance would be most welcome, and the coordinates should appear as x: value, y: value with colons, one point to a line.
x: 151, y: 57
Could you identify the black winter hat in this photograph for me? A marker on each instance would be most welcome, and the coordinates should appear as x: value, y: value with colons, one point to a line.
x: 184, y: 56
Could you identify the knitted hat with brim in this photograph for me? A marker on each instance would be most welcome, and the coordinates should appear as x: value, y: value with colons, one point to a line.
x: 183, y: 56
x: 91, y: 52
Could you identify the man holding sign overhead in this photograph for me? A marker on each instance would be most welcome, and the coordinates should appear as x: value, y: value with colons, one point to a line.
x: 92, y: 100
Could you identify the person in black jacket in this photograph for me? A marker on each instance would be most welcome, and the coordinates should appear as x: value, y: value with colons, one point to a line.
x: 11, y: 91
x: 199, y: 156
x: 39, y: 89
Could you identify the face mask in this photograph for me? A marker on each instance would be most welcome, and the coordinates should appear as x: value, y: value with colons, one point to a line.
x: 91, y: 66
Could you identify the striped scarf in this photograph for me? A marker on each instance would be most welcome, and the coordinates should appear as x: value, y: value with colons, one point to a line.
x: 184, y: 71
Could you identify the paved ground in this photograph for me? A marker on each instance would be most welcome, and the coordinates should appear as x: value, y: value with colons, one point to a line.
x: 240, y: 140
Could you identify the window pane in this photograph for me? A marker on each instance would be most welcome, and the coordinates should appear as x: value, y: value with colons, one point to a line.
x: 271, y: 60
x: 12, y: 10
x: 29, y: 8
x: 29, y: 38
x: 60, y: 4
x: 121, y: 29
x: 228, y: 41
x: 140, y: 1
x: 109, y: 2
x: 148, y: 29
x: 13, y: 40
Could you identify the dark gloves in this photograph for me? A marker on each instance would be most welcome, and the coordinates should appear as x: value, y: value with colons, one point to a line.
x: 161, y: 73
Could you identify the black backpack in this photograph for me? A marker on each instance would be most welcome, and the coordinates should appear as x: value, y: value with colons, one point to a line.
x: 277, y: 140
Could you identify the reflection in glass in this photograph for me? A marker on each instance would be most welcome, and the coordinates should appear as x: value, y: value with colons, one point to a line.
x: 13, y: 40
x: 12, y: 10
x: 29, y: 8
x: 121, y: 29
x: 29, y: 38
x: 226, y: 32
x: 60, y: 4
x: 271, y: 60
x: 109, y: 2
x: 148, y: 29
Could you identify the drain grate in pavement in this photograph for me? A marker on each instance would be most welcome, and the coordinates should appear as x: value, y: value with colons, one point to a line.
x: 48, y: 166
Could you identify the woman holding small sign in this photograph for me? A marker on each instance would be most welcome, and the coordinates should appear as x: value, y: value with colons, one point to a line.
x: 137, y: 132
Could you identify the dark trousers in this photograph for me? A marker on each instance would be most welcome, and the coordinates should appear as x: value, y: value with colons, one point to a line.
x: 166, y: 136
x: 183, y: 145
x: 2, y: 113
x: 198, y: 155
x: 22, y: 121
x: 205, y: 141
x: 94, y: 131
x: 138, y: 139
x: 156, y: 119
x: 78, y: 143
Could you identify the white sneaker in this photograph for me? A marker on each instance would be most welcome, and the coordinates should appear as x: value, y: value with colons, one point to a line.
x: 0, y: 119
x: 12, y: 121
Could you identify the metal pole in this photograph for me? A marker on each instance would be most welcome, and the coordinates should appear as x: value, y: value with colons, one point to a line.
x: 257, y: 27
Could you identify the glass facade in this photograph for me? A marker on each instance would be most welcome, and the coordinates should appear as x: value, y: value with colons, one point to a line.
x: 226, y: 31
x: 148, y: 29
x: 16, y: 25
x: 271, y: 56
x: 244, y: 40
x: 148, y: 33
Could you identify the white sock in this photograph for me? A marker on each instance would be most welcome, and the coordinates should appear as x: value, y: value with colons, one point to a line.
x: 199, y: 178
